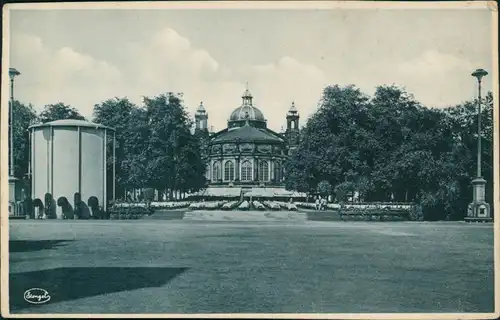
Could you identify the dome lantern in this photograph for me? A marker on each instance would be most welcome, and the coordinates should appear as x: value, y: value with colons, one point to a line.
x: 247, y: 112
x: 247, y: 97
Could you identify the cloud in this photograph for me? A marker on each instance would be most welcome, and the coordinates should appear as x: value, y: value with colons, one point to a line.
x: 168, y: 61
x: 438, y: 79
x: 60, y: 75
x: 276, y: 85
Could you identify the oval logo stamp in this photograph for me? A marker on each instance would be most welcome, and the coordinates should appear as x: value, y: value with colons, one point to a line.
x: 36, y: 296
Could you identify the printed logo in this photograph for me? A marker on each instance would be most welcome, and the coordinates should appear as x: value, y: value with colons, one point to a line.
x: 36, y: 296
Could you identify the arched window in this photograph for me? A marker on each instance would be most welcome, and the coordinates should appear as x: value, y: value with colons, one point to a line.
x: 246, y: 171
x: 216, y: 171
x: 263, y: 170
x: 229, y: 171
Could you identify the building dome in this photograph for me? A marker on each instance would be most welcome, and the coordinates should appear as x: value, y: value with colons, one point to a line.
x: 247, y: 111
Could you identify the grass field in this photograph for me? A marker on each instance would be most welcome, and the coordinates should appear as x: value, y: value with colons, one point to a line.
x: 147, y: 266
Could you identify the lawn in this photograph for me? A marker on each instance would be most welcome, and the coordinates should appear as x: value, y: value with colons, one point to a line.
x: 146, y: 266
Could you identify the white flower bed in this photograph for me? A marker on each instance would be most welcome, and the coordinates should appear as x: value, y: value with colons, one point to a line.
x: 287, y: 205
x: 333, y: 206
x: 209, y: 205
x: 259, y: 206
x: 170, y: 205
x: 272, y: 205
x: 230, y: 205
x: 363, y: 206
x: 378, y: 206
x: 244, y: 205
x: 154, y: 205
x: 306, y: 205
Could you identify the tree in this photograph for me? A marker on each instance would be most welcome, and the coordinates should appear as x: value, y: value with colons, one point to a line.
x: 59, y: 111
x: 330, y: 141
x: 117, y: 113
x: 174, y: 160
x: 325, y: 188
x: 23, y: 117
x: 391, y: 148
x: 135, y: 144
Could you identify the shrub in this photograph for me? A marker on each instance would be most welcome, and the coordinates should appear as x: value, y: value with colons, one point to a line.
x: 257, y: 205
x: 93, y: 204
x: 209, y: 205
x: 230, y: 205
x: 62, y: 201
x: 77, y: 199
x: 66, y: 208
x: 244, y: 205
x: 306, y: 205
x: 28, y: 207
x: 50, y: 211
x: 287, y: 205
x: 128, y: 213
x: 37, y: 203
x: 416, y: 214
x: 272, y: 205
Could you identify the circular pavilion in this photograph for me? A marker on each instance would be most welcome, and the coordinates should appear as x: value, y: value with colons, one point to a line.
x: 69, y: 156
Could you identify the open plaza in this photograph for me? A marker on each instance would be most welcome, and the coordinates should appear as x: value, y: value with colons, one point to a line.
x: 178, y: 266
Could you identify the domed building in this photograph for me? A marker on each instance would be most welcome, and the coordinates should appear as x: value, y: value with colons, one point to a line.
x: 247, y: 154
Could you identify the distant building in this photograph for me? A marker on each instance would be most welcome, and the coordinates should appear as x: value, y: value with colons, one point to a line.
x: 247, y: 153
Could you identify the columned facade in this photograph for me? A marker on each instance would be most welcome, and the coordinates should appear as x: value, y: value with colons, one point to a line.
x: 247, y: 153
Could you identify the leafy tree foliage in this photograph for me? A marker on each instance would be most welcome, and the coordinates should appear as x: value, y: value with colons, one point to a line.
x: 155, y: 146
x: 23, y: 117
x: 325, y: 188
x: 116, y: 113
x: 173, y: 152
x: 391, y: 148
x: 59, y: 111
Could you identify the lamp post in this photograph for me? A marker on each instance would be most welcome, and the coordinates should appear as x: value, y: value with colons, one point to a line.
x: 14, y: 192
x: 479, y: 209
x: 12, y: 74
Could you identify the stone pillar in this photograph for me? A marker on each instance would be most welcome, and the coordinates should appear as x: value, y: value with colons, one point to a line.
x: 237, y: 169
x: 221, y: 165
x: 271, y: 170
x: 479, y: 209
x: 256, y: 169
x: 275, y: 171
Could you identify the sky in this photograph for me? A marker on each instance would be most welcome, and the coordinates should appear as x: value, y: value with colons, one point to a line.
x: 82, y: 57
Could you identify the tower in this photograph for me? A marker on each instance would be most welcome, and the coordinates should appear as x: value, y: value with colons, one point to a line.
x: 201, y: 118
x: 292, y: 126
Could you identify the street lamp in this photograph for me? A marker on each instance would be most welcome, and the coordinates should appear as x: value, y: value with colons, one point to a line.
x: 479, y: 209
x: 14, y: 186
x: 12, y: 74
